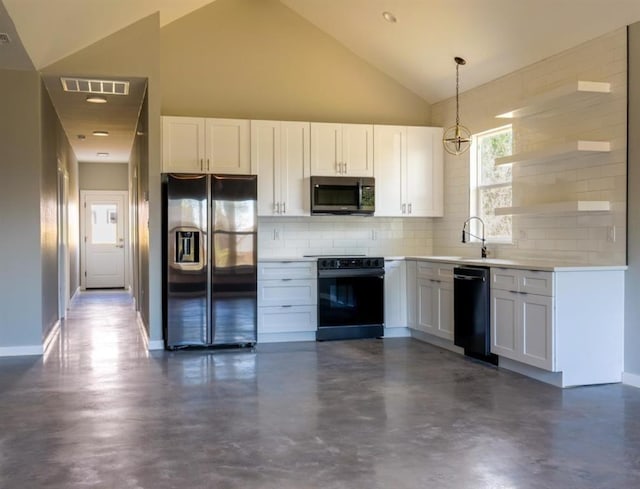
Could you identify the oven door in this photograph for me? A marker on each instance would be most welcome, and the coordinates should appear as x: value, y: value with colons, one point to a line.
x: 350, y: 298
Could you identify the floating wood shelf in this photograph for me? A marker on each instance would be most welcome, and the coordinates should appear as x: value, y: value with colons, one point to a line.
x: 564, y: 150
x: 557, y: 208
x: 570, y: 93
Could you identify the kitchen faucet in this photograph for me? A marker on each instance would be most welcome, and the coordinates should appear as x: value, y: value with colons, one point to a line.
x: 465, y: 232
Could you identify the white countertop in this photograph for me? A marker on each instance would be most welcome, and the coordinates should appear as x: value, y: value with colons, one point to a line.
x: 488, y: 262
x: 526, y: 264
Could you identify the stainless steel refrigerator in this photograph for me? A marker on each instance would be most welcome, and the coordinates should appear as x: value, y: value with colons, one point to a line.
x: 210, y: 258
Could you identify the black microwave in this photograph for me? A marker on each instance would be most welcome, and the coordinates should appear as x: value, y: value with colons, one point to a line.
x: 343, y: 195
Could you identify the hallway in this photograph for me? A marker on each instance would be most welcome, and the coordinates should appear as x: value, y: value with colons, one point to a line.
x: 100, y: 412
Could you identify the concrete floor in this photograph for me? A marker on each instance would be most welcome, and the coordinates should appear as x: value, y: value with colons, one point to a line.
x: 99, y: 411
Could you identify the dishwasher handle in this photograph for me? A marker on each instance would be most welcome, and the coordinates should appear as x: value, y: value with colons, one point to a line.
x: 468, y: 277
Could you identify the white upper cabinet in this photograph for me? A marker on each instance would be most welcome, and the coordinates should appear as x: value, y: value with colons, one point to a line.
x: 201, y: 145
x: 227, y: 146
x: 182, y: 144
x: 280, y: 158
x: 408, y: 171
x: 341, y: 149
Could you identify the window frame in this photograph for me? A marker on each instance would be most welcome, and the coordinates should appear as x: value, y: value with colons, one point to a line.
x: 475, y: 188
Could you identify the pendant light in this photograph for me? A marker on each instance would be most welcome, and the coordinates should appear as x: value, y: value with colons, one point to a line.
x: 457, y: 139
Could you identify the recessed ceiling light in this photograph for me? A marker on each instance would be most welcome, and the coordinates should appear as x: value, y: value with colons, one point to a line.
x: 96, y: 99
x: 100, y: 133
x: 102, y: 155
x: 389, y: 17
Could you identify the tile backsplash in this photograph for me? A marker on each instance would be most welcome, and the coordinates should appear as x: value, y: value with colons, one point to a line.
x: 349, y: 235
x: 589, y: 238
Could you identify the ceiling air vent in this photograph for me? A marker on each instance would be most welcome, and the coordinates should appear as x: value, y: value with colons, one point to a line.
x: 4, y: 38
x: 105, y: 87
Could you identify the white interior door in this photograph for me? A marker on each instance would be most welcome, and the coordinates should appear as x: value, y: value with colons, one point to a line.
x: 104, y: 239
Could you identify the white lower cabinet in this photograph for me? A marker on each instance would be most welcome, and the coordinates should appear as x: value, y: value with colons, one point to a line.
x: 287, y: 301
x: 522, y: 327
x: 395, y: 294
x: 434, y: 299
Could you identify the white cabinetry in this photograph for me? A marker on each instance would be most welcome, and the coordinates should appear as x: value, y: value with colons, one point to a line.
x: 564, y: 327
x: 287, y: 301
x: 341, y: 149
x: 408, y: 170
x: 395, y: 295
x: 280, y: 158
x: 412, y: 294
x: 522, y: 325
x: 201, y: 145
x: 434, y: 299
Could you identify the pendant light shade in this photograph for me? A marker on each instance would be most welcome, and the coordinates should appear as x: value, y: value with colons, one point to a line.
x: 457, y: 139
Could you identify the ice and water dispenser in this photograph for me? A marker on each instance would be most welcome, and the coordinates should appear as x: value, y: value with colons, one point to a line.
x: 188, y: 248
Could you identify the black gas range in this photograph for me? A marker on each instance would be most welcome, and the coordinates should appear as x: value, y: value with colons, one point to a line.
x: 350, y: 297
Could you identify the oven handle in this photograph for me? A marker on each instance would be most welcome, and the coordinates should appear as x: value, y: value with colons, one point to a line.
x: 377, y: 272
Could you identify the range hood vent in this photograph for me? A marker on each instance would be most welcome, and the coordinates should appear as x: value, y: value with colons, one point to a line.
x: 103, y: 87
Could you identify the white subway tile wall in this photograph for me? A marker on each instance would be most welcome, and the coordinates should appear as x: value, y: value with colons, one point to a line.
x: 348, y: 235
x: 580, y: 238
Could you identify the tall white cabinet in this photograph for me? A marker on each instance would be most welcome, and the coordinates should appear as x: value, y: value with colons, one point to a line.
x: 408, y: 171
x: 341, y: 149
x: 205, y: 145
x: 280, y: 157
x: 395, y: 293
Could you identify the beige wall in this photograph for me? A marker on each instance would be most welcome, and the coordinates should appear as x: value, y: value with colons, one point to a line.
x: 50, y: 125
x: 104, y: 176
x: 20, y: 240
x: 572, y: 238
x: 259, y: 60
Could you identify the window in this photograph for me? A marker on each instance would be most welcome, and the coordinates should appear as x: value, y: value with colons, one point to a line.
x: 490, y: 184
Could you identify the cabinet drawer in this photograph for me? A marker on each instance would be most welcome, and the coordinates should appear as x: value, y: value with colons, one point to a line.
x: 425, y: 269
x: 441, y: 272
x: 287, y: 293
x: 287, y: 319
x: 504, y: 279
x: 287, y: 270
x: 536, y: 282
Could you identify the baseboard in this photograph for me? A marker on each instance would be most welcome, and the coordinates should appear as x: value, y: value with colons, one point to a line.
x: 553, y: 378
x: 631, y: 379
x: 149, y: 344
x: 19, y: 351
x: 286, y: 337
x: 436, y: 341
x: 75, y: 294
x: 51, y: 336
x: 156, y: 345
x: 397, y: 333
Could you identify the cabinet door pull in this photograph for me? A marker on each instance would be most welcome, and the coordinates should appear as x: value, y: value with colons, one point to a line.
x: 410, y: 212
x: 208, y: 165
x: 201, y: 164
x: 404, y: 208
x: 276, y: 207
x: 286, y: 305
x: 287, y: 279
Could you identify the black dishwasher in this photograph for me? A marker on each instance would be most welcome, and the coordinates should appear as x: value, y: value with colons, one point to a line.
x: 471, y: 312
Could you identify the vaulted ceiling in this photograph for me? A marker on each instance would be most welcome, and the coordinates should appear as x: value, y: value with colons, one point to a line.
x: 495, y: 36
